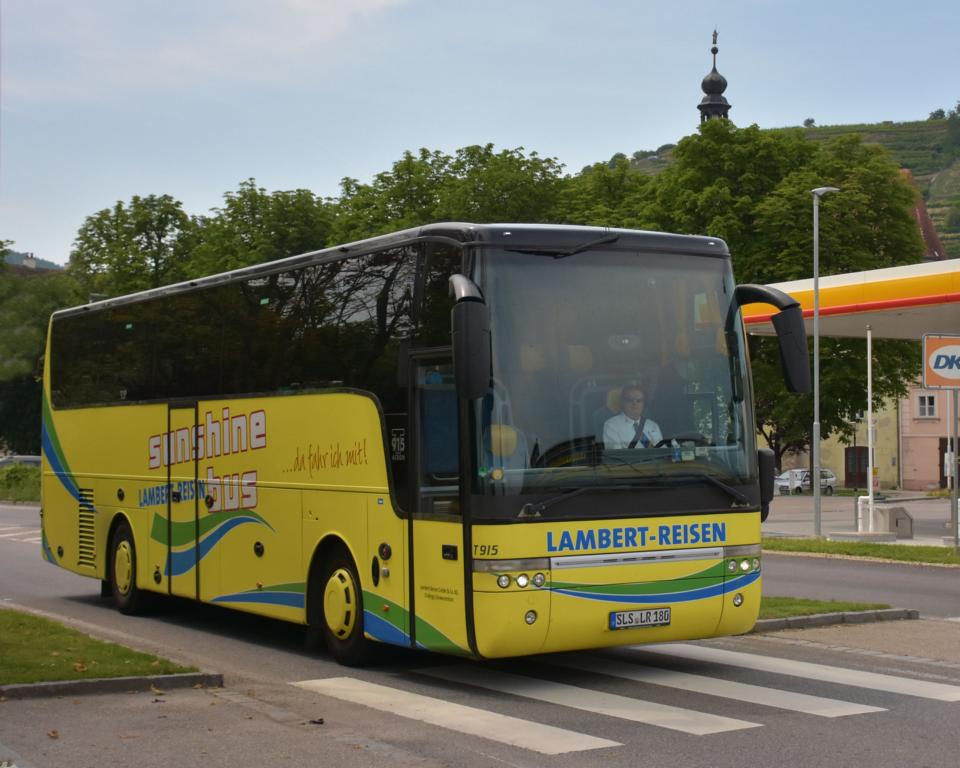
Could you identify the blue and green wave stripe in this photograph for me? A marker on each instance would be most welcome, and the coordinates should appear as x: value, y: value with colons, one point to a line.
x: 292, y: 595
x: 53, y: 453
x: 391, y: 627
x: 674, y: 591
x: 186, y: 551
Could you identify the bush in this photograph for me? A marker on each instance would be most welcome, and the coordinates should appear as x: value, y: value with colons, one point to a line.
x: 953, y: 218
x: 20, y: 483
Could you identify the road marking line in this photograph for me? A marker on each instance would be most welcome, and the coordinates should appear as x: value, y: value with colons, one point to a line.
x: 14, y: 528
x: 21, y: 532
x: 31, y: 541
x: 752, y: 694
x: 822, y: 672
x: 597, y: 702
x: 527, y: 734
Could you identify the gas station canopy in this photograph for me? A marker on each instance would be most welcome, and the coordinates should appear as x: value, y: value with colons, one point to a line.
x: 896, y: 302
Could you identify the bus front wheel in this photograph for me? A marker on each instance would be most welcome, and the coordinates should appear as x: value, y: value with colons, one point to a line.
x: 123, y: 571
x: 341, y: 600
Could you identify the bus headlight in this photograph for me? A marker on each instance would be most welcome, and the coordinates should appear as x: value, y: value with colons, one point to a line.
x: 539, y: 580
x: 732, y: 566
x: 744, y: 565
x: 756, y: 563
x: 503, y: 581
x: 523, y: 580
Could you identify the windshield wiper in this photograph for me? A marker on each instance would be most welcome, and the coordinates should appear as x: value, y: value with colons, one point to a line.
x: 740, y: 498
x: 560, y: 253
x: 535, y: 509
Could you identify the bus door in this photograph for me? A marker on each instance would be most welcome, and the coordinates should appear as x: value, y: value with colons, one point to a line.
x: 438, y: 598
x: 182, y: 534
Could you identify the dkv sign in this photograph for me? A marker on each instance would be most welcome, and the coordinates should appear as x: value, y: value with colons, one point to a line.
x: 941, y: 361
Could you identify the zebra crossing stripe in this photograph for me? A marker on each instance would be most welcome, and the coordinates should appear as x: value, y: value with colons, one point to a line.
x: 527, y: 734
x: 597, y: 702
x: 752, y: 694
x: 852, y: 677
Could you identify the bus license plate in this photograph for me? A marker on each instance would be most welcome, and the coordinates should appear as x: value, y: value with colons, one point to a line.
x: 645, y: 617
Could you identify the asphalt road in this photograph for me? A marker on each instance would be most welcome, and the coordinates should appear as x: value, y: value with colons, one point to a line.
x: 933, y: 591
x: 691, y: 705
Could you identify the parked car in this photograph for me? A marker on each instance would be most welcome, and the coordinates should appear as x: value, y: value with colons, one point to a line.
x: 828, y: 482
x: 15, y: 458
x: 791, y: 481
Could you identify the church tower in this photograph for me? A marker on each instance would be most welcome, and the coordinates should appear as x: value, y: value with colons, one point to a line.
x: 713, y: 85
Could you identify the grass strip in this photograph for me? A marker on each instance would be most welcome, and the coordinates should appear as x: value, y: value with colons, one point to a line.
x: 905, y: 553
x: 35, y: 650
x: 784, y: 607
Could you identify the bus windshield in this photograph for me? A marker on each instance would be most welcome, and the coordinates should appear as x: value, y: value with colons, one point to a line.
x: 613, y: 368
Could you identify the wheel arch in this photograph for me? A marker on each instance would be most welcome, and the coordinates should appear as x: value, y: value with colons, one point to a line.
x: 328, y: 547
x: 118, y: 518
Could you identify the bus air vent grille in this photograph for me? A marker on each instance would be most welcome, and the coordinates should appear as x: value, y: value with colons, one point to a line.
x: 86, y: 536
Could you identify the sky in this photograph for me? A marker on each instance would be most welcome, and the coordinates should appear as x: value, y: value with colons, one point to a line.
x: 101, y: 100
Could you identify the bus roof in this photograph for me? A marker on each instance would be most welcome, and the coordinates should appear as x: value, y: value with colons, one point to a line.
x: 516, y: 237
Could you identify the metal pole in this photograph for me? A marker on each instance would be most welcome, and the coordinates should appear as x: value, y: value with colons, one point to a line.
x: 870, y: 421
x: 815, y: 479
x: 955, y: 493
x: 856, y: 484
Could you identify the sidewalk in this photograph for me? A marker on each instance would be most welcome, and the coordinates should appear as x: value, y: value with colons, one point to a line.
x: 157, y: 730
x: 794, y: 516
x: 929, y: 641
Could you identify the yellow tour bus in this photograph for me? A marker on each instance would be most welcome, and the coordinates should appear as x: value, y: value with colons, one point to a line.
x: 419, y: 439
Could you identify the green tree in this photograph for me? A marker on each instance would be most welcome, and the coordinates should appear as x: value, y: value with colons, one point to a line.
x: 405, y: 196
x: 506, y: 186
x: 132, y: 247
x: 951, y: 144
x: 752, y: 188
x: 606, y: 196
x: 26, y: 302
x: 254, y: 226
x: 477, y: 184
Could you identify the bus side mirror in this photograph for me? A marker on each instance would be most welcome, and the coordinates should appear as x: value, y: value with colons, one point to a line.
x: 791, y: 334
x: 793, y: 348
x: 766, y: 462
x: 470, y: 319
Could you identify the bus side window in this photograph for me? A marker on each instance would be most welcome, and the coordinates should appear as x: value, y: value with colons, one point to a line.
x: 438, y: 458
x: 438, y: 429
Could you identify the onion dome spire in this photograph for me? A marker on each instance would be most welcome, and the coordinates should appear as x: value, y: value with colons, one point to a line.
x: 714, y: 84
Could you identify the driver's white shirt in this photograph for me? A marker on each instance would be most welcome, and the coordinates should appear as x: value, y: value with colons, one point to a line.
x: 619, y: 431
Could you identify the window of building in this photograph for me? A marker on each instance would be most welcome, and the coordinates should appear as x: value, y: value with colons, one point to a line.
x: 926, y: 406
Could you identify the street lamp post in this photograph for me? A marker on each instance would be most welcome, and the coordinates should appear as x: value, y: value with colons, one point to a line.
x: 815, y: 479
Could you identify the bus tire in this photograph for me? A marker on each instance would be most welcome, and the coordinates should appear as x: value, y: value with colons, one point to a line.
x: 340, y: 611
x: 127, y: 596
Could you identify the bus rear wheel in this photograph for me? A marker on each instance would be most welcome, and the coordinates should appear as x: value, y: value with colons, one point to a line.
x: 341, y: 606
x: 127, y: 596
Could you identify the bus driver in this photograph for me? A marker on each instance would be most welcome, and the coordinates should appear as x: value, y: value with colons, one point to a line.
x: 630, y: 428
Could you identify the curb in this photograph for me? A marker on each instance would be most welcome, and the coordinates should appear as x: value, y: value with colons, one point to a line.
x: 829, y: 619
x: 154, y: 683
